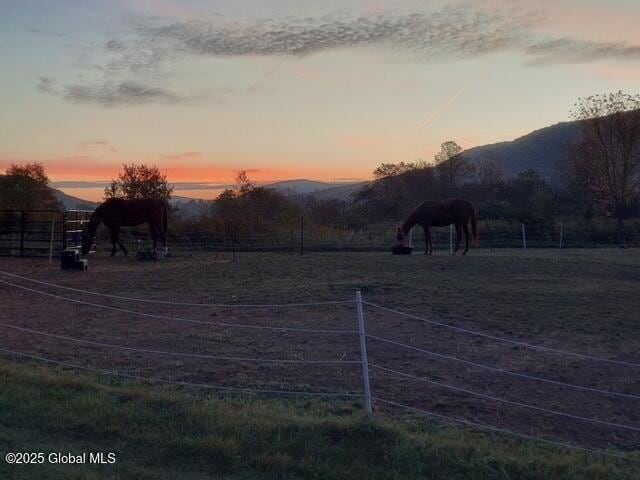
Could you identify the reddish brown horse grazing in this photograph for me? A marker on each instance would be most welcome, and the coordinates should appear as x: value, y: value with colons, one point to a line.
x: 116, y: 213
x: 442, y: 214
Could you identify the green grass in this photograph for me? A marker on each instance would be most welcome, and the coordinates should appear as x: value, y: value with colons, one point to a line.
x: 162, y: 432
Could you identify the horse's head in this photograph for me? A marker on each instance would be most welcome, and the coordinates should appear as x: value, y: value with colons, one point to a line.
x: 87, y: 242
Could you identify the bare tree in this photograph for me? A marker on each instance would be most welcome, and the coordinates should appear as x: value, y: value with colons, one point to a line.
x: 490, y: 170
x: 243, y: 184
x: 606, y: 158
x: 452, y: 167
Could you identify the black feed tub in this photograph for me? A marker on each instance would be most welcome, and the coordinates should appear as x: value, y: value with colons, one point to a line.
x: 401, y: 250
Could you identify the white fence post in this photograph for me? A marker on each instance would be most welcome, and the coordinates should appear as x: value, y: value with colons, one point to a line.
x: 363, y: 353
x: 524, y: 237
x: 561, y: 232
x: 53, y: 228
x: 451, y: 239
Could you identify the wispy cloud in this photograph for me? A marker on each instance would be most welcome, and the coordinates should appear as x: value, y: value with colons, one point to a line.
x: 122, y: 93
x: 45, y: 32
x: 569, y: 50
x: 452, y: 32
x: 146, y: 46
x: 91, y: 145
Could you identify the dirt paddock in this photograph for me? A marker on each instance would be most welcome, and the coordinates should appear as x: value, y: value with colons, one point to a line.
x: 583, y: 301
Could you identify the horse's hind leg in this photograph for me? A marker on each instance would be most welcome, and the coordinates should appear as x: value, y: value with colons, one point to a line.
x: 458, y: 237
x: 124, y: 250
x: 154, y: 235
x: 113, y: 233
x: 465, y: 227
x: 427, y: 242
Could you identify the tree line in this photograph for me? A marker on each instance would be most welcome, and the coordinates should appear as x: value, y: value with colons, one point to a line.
x: 599, y: 178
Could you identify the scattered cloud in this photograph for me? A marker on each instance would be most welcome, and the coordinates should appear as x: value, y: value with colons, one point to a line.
x: 96, y: 145
x: 47, y: 85
x: 111, y: 94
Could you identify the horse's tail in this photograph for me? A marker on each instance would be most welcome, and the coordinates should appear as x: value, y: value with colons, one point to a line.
x: 474, y: 227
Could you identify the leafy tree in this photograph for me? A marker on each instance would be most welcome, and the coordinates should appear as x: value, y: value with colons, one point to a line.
x: 530, y: 198
x: 387, y: 170
x: 452, y: 167
x: 605, y: 162
x: 251, y: 208
x: 26, y: 187
x: 139, y: 181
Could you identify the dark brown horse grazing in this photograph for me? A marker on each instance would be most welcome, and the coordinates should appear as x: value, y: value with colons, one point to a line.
x: 442, y: 214
x: 116, y: 213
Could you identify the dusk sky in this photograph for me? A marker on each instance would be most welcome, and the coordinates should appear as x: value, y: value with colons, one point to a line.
x: 294, y: 89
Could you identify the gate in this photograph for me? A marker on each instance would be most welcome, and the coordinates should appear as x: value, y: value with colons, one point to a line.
x: 75, y: 222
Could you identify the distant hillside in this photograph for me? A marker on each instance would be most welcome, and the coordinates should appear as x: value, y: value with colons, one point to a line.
x: 541, y: 150
x: 315, y: 188
x: 342, y: 192
x: 69, y: 202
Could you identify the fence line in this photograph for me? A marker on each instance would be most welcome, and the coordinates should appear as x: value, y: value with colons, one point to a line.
x: 507, y: 372
x: 179, y: 319
x: 366, y: 394
x: 505, y: 431
x: 502, y: 339
x: 181, y: 304
x: 504, y: 400
x: 176, y: 382
x: 174, y: 354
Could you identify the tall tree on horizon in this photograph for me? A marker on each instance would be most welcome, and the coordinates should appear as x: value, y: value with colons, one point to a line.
x: 139, y: 181
x: 606, y: 158
x: 452, y: 167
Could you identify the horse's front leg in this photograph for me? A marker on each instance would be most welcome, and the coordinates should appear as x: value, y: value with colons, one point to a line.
x: 114, y: 239
x: 465, y: 227
x: 124, y: 250
x: 154, y: 235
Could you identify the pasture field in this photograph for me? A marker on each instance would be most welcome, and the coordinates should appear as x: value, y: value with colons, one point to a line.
x: 580, y: 301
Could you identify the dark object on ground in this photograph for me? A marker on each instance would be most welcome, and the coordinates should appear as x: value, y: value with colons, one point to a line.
x: 401, y: 250
x: 70, y: 260
x: 147, y: 254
